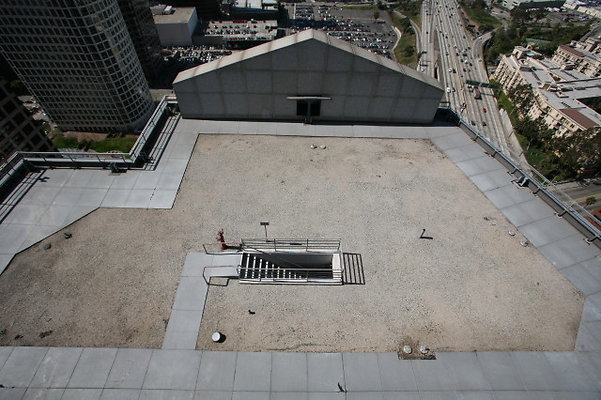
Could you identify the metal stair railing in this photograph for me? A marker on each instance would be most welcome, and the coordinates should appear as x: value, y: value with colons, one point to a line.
x: 295, y: 268
x: 299, y: 244
x: 301, y: 275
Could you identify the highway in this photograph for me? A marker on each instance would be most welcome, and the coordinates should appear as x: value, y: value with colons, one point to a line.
x: 450, y: 54
x: 580, y: 191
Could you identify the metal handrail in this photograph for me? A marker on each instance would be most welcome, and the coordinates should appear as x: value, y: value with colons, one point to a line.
x: 11, y: 166
x: 529, y: 173
x: 284, y: 243
x: 151, y: 125
x: 21, y: 161
x: 274, y: 256
x: 292, y: 244
x: 127, y: 158
x: 235, y: 247
x: 204, y: 276
x: 306, y: 278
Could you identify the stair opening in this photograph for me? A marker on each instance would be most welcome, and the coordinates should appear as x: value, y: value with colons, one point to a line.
x: 288, y: 261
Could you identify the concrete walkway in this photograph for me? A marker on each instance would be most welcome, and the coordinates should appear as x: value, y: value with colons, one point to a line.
x: 93, y: 373
x: 188, y: 306
x: 55, y: 198
x: 98, y: 373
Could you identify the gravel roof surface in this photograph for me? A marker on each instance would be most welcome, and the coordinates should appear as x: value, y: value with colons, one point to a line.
x: 472, y: 287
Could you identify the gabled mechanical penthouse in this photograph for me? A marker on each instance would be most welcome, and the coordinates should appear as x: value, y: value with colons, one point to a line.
x: 308, y: 76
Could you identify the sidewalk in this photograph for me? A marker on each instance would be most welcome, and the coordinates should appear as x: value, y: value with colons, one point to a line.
x: 92, y: 373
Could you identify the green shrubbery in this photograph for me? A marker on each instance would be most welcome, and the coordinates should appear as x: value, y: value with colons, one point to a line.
x: 566, y: 157
x: 477, y: 11
x: 505, y: 39
x: 404, y: 52
x: 410, y: 9
x: 122, y: 144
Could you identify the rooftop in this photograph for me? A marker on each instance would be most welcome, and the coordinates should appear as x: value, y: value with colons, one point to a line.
x: 253, y: 3
x: 181, y: 15
x: 566, y: 94
x: 391, y: 175
x: 249, y: 30
x: 376, y: 187
x: 579, y: 118
x: 571, y: 50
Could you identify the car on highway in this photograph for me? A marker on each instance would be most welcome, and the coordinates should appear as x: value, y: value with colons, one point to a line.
x: 483, y: 123
x: 484, y: 109
x: 473, y: 122
x: 448, y: 90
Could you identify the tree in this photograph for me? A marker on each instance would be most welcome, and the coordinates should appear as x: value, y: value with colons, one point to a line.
x: 409, y: 51
x: 376, y: 15
x: 405, y: 25
x: 486, y: 28
x: 591, y: 200
x: 540, y: 13
x: 529, y: 129
x: 522, y: 97
x: 520, y: 15
x: 581, y: 152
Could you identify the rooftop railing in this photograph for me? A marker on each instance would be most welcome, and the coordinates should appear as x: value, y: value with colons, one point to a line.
x: 563, y: 204
x: 17, y: 166
x: 21, y: 162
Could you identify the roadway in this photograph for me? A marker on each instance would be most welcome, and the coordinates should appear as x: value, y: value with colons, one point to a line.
x: 580, y: 191
x: 450, y: 54
x: 446, y: 46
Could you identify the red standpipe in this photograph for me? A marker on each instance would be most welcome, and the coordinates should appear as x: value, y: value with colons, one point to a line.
x: 221, y: 239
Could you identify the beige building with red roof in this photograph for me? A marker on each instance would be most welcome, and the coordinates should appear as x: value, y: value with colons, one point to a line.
x: 580, y: 56
x: 562, y: 97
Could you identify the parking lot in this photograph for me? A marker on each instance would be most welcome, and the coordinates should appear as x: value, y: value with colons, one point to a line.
x: 189, y: 57
x: 356, y: 26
